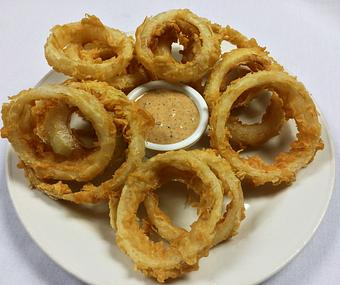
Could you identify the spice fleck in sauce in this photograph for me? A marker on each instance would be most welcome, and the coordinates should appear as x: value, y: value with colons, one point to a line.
x: 176, y: 116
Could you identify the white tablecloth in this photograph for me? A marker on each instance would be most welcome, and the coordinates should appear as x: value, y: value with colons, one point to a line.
x: 304, y: 36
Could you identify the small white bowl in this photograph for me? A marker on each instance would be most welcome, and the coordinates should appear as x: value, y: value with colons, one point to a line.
x: 196, y: 97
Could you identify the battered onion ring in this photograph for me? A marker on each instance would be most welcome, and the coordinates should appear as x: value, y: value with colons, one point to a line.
x: 246, y: 135
x: 234, y: 212
x: 88, y: 50
x: 134, y: 123
x: 181, y: 255
x: 166, y: 67
x: 297, y: 104
x: 131, y: 121
x: 46, y: 164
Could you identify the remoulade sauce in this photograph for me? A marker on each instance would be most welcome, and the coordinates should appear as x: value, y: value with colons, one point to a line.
x: 176, y: 116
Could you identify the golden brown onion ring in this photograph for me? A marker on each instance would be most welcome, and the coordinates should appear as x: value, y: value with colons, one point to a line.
x: 223, y: 74
x: 33, y: 152
x: 297, y: 104
x: 181, y: 255
x: 131, y: 121
x: 166, y: 67
x: 88, y: 50
x: 234, y: 212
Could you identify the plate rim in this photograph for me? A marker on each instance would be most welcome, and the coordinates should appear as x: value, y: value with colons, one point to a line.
x: 307, y: 239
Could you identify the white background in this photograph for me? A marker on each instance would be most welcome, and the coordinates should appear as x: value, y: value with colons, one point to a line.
x: 304, y: 36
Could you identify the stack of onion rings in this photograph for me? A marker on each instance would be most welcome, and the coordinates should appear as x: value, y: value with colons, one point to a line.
x: 245, y: 135
x: 185, y: 248
x: 234, y: 213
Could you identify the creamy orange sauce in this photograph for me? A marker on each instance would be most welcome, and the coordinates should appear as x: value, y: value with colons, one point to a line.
x: 176, y: 116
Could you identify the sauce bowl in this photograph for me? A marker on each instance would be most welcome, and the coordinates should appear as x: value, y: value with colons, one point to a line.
x: 197, y: 99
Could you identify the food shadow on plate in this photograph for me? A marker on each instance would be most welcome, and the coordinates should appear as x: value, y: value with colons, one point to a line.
x: 250, y: 191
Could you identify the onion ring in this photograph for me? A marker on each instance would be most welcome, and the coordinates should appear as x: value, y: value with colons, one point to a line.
x: 133, y: 123
x: 166, y: 67
x: 88, y: 50
x: 255, y: 59
x: 234, y: 212
x: 129, y: 119
x: 297, y: 104
x: 181, y: 255
x: 46, y: 165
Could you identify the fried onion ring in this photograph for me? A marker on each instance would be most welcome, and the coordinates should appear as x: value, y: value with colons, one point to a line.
x: 224, y: 72
x: 297, y: 104
x: 234, y: 213
x: 174, y: 25
x: 44, y: 163
x: 131, y: 121
x: 88, y: 50
x: 181, y: 255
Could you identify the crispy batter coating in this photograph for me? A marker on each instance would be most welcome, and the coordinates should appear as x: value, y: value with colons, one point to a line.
x: 156, y: 259
x: 36, y: 155
x: 297, y: 104
x: 201, y: 46
x: 107, y: 103
x: 105, y: 159
x: 234, y: 212
x: 88, y: 50
x: 226, y: 71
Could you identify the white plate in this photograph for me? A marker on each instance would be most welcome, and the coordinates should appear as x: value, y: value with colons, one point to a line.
x: 278, y: 225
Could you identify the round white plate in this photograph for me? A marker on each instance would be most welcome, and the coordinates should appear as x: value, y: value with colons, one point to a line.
x: 278, y: 225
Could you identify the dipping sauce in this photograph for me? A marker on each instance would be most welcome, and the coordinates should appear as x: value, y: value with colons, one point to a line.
x: 176, y: 116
